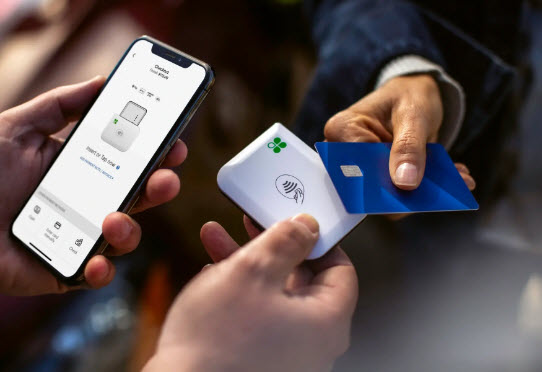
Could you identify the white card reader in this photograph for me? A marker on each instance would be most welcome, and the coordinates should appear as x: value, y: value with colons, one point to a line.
x: 123, y: 129
x: 278, y: 176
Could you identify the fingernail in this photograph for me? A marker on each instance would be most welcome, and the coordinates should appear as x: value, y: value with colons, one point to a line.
x: 406, y: 175
x: 100, y: 270
x: 104, y: 273
x: 125, y: 230
x: 308, y: 221
x: 471, y: 184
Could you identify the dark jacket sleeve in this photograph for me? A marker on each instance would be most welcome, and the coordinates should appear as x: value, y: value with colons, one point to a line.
x: 356, y: 38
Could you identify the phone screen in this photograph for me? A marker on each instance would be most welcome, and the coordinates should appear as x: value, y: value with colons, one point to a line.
x: 105, y: 156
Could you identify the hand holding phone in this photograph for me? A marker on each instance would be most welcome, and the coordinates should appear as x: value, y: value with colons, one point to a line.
x: 27, y: 147
x: 61, y: 222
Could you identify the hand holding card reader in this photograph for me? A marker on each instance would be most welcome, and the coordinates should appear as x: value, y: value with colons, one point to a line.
x: 278, y: 176
x: 123, y: 129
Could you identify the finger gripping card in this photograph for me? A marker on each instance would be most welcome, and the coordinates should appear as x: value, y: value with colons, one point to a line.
x: 278, y: 176
x: 361, y: 176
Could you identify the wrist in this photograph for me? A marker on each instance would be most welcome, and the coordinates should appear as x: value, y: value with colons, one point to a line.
x: 186, y: 360
x: 424, y: 80
x: 172, y: 360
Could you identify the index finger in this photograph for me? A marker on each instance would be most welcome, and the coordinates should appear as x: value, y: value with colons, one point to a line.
x: 51, y: 111
x: 276, y: 252
x: 176, y: 155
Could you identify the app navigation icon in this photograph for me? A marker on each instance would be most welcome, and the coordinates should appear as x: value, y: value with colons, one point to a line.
x: 78, y: 242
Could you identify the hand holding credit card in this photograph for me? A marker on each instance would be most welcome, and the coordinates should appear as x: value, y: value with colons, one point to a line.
x: 359, y: 172
x: 278, y: 176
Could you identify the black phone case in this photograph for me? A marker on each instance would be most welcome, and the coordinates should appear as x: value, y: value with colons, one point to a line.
x: 177, y: 57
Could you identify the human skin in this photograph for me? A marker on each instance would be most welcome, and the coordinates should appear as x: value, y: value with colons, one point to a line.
x: 261, y: 307
x: 28, y: 143
x: 406, y: 111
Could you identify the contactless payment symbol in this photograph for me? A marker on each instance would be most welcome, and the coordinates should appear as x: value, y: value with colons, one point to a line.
x: 290, y: 187
x: 277, y: 145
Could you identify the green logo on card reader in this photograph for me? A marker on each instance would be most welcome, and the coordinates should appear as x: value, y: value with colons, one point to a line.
x: 115, y: 121
x: 276, y: 145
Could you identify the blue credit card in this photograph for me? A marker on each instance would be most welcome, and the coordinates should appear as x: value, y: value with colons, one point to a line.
x: 360, y: 173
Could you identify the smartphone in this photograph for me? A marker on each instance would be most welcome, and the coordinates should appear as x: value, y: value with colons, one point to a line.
x: 123, y: 137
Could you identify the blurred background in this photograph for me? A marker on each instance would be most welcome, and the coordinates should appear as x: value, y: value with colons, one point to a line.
x: 465, y: 296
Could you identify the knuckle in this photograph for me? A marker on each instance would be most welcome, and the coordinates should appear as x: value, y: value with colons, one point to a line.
x: 338, y: 119
x: 363, y: 133
x: 408, y: 143
x: 291, y: 236
x: 294, y: 234
x: 360, y: 121
x: 423, y: 110
x: 335, y: 125
x: 349, y: 125
x: 277, y: 247
x: 411, y: 111
x: 249, y: 264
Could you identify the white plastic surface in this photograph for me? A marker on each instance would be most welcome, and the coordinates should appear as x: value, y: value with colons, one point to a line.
x: 120, y: 133
x: 271, y: 185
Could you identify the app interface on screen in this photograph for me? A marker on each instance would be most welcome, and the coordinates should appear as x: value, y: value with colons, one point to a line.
x: 105, y: 156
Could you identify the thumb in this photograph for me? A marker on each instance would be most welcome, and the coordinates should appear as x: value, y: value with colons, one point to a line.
x: 275, y: 253
x: 408, y: 151
x: 51, y: 111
